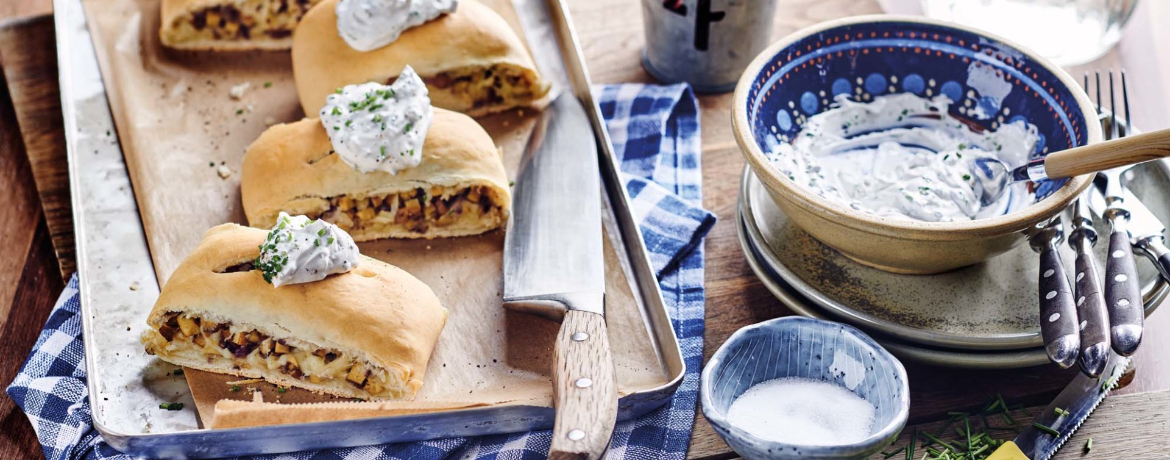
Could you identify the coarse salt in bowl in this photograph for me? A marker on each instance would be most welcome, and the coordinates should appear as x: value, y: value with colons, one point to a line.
x: 811, y: 349
x: 991, y: 81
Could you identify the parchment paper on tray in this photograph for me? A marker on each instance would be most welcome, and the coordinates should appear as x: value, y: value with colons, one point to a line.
x: 184, y: 137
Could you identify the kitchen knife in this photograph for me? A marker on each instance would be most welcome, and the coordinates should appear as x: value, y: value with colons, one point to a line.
x: 1146, y: 232
x: 1123, y: 295
x: 554, y: 267
x: 1064, y: 415
x: 1091, y: 315
x: 1058, y: 315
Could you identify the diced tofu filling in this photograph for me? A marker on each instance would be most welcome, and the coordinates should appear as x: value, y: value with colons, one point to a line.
x: 241, y: 20
x: 249, y: 348
x: 416, y: 210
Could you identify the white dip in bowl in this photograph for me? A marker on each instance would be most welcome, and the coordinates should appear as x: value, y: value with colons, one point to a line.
x: 901, y: 156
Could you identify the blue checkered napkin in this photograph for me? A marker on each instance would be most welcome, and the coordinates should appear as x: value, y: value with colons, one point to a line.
x: 656, y: 134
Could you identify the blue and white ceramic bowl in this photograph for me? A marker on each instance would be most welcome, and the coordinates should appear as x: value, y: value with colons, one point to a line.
x: 992, y: 82
x: 812, y: 349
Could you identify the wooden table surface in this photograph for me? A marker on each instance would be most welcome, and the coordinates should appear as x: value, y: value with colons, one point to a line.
x: 611, y: 34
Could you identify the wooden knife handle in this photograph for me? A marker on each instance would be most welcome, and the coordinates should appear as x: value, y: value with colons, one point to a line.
x: 1123, y: 295
x: 584, y: 388
x: 1058, y: 314
x: 1094, y: 321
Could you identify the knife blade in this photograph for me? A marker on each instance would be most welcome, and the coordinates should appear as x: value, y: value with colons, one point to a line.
x: 1075, y: 402
x: 1146, y: 231
x: 554, y: 267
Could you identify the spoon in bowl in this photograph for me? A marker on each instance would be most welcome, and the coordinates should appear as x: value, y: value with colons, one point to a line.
x: 992, y: 177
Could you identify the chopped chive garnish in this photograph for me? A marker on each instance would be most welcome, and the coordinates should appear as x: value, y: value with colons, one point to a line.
x: 1088, y: 445
x: 322, y: 232
x: 267, y: 84
x: 281, y: 389
x: 171, y: 406
x: 936, y: 440
x: 234, y: 388
x: 910, y: 450
x: 1045, y: 428
x: 1060, y: 412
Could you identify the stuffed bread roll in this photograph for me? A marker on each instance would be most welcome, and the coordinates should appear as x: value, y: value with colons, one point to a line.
x: 365, y: 333
x: 471, y: 60
x: 458, y: 188
x: 231, y: 24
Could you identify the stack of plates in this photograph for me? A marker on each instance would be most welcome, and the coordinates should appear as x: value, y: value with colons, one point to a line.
x: 983, y: 316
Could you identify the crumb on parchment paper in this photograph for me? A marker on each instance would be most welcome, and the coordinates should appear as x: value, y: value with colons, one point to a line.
x: 237, y: 92
x: 134, y: 286
x: 224, y: 172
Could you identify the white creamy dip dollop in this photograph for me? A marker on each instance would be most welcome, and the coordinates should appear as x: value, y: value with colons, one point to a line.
x: 302, y: 250
x: 378, y: 127
x: 371, y: 24
x: 901, y: 156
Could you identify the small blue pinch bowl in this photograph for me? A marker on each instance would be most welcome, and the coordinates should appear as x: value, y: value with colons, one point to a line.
x: 991, y: 80
x: 811, y: 349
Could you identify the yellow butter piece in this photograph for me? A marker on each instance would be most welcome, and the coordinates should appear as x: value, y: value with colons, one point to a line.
x: 1008, y: 451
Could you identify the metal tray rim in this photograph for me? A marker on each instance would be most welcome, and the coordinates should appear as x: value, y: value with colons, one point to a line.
x: 637, y: 403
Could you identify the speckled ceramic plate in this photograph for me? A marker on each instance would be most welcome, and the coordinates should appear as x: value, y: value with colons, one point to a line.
x: 968, y: 359
x: 989, y: 306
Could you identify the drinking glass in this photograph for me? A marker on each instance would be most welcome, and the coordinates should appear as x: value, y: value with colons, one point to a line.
x: 1069, y: 32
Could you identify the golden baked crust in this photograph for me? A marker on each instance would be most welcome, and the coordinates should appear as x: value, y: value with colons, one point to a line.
x: 290, y: 168
x: 230, y: 25
x: 464, y: 45
x: 376, y: 314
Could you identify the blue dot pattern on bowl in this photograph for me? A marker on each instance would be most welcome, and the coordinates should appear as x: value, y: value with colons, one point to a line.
x: 805, y: 348
x: 990, y: 82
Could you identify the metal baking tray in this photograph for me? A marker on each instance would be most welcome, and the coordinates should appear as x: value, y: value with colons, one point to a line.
x: 119, y: 286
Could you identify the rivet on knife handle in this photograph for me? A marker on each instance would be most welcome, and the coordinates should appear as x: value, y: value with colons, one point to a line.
x: 1094, y: 322
x: 1123, y: 296
x: 1057, y: 310
x: 584, y: 388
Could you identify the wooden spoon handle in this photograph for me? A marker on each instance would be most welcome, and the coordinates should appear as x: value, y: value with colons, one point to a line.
x: 584, y: 388
x: 1092, y: 158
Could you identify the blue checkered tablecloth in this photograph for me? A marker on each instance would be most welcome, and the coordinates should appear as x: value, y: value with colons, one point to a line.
x: 655, y: 131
